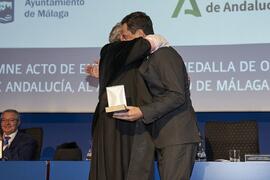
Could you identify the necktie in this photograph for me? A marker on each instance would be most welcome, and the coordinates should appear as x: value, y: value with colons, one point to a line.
x: 6, y: 139
x: 5, y: 152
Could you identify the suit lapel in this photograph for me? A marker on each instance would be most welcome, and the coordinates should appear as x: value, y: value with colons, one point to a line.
x: 15, y: 141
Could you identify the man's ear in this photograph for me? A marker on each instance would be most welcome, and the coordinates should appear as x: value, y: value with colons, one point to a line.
x: 140, y: 33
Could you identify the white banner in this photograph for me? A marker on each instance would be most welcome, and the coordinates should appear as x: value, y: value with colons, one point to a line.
x: 45, y: 45
x: 87, y: 23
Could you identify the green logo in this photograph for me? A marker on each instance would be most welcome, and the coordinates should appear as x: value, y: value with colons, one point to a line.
x: 195, y: 11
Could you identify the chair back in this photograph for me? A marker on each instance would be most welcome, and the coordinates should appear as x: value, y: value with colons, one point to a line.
x: 37, y: 134
x: 68, y: 152
x: 220, y: 137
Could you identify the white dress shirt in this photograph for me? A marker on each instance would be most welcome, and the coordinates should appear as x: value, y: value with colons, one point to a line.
x: 12, y: 136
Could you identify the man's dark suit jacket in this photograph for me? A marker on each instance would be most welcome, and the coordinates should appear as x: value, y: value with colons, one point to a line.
x: 171, y: 114
x: 22, y: 147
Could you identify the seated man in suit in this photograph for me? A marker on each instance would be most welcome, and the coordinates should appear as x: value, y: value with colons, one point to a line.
x: 16, y: 145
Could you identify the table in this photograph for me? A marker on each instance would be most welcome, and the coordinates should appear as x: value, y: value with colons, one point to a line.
x: 79, y: 170
x: 231, y: 171
x: 24, y: 170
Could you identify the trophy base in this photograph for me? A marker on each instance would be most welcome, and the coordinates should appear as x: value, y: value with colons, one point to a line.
x: 116, y: 108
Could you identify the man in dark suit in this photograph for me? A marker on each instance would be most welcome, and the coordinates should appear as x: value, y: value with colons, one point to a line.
x: 170, y: 114
x: 16, y: 145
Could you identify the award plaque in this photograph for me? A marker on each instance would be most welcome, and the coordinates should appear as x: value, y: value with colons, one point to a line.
x: 116, y: 99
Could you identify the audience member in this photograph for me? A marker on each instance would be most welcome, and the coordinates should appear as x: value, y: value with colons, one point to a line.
x: 16, y: 145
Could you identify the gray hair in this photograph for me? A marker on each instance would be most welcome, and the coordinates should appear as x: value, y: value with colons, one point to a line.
x: 115, y: 33
x: 17, y: 114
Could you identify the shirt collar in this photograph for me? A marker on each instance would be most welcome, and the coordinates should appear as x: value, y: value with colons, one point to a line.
x: 12, y: 136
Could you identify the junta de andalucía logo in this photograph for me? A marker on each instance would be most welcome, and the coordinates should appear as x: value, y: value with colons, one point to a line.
x: 195, y: 11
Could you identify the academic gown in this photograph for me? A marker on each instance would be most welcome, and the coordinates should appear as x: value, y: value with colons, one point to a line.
x: 116, y: 154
